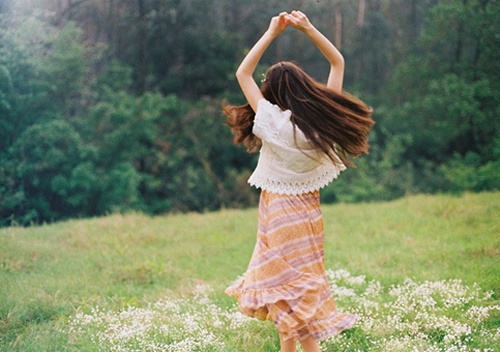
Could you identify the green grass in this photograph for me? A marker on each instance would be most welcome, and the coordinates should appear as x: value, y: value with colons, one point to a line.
x: 49, y: 273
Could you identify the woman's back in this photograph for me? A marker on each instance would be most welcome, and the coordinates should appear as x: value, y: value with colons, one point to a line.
x: 288, y: 163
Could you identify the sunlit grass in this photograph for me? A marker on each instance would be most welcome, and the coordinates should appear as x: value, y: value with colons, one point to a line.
x: 53, y: 272
x: 429, y: 316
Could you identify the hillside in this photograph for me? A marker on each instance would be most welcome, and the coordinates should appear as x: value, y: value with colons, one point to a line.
x: 52, y: 272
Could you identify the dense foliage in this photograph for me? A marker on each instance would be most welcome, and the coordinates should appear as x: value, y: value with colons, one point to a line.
x: 111, y: 105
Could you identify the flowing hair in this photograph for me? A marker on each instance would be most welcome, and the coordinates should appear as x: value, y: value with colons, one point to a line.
x: 336, y: 124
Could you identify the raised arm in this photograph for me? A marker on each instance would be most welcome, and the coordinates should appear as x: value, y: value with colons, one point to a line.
x: 299, y: 21
x: 245, y: 71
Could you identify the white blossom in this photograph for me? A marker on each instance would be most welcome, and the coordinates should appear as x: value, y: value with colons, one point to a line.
x: 440, y: 316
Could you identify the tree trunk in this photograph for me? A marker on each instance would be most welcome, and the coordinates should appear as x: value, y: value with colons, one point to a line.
x: 112, y: 30
x: 142, y: 47
x: 413, y: 21
x: 361, y: 13
x: 460, y: 40
x: 361, y: 20
x: 59, y: 13
x: 338, y: 25
x: 220, y: 22
x: 279, y: 48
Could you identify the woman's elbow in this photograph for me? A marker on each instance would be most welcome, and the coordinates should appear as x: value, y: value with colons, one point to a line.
x: 242, y: 76
x: 339, y: 61
x: 240, y: 73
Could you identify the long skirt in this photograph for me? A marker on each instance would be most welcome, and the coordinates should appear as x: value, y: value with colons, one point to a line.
x: 286, y: 281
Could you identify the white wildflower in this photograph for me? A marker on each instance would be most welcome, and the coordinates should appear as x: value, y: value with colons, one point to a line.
x: 441, y: 316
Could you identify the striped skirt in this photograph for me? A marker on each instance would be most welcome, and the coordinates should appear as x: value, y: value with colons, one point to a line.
x: 285, y: 281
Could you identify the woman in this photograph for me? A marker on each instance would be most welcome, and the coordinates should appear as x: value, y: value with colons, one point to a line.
x: 307, y: 131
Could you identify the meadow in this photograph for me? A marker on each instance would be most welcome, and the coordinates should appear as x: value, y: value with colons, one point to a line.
x: 421, y: 273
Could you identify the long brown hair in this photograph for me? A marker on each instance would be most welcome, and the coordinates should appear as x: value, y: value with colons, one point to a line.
x: 334, y: 123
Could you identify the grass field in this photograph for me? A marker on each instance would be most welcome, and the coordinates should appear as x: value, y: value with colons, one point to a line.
x: 421, y: 272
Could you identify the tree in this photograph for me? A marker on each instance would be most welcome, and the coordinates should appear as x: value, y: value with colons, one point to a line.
x: 45, y: 155
x: 43, y: 71
x: 443, y: 97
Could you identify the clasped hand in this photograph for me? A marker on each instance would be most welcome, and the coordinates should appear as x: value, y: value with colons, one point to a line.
x: 296, y: 19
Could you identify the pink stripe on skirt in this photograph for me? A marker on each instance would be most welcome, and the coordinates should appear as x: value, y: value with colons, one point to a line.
x: 285, y: 281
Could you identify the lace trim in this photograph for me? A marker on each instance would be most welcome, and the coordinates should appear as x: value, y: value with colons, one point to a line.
x: 297, y: 187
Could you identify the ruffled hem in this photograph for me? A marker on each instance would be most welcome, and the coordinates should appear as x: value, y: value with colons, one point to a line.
x: 265, y: 183
x: 254, y: 299
x: 302, y: 297
x: 331, y: 326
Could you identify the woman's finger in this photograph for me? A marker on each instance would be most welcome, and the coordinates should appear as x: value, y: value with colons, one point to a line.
x: 299, y: 15
x: 283, y: 20
x: 293, y: 19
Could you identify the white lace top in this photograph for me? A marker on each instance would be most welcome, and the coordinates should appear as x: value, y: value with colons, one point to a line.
x: 283, y: 168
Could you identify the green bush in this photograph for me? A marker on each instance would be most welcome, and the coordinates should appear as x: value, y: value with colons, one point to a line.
x: 468, y: 174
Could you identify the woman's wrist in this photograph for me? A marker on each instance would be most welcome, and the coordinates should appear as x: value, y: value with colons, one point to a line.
x: 309, y: 30
x: 270, y: 35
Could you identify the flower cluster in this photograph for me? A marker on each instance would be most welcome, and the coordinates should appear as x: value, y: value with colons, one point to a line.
x: 444, y: 316
x: 183, y: 324
x: 440, y: 316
